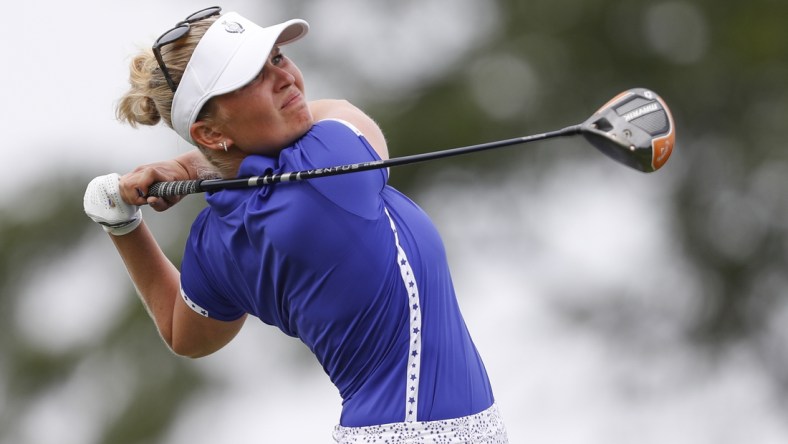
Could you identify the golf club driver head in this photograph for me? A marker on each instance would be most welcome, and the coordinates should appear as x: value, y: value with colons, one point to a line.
x: 634, y: 128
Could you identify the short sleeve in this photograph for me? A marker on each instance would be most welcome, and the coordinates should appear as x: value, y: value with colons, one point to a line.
x: 197, y: 279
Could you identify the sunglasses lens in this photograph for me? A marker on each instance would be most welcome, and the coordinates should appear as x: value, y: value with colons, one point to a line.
x: 172, y: 35
x: 203, y: 14
x: 176, y: 33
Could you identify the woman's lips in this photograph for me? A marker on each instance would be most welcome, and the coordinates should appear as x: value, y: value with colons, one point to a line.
x: 291, y: 100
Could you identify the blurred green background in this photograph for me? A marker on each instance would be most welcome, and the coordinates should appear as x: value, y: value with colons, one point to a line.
x: 610, y: 305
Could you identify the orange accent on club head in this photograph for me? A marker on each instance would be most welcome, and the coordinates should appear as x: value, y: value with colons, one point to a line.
x: 613, y: 100
x: 662, y: 147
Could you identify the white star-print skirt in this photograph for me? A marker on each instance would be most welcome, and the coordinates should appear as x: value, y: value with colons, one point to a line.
x: 485, y: 427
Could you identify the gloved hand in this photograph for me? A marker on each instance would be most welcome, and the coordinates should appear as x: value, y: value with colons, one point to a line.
x: 104, y: 205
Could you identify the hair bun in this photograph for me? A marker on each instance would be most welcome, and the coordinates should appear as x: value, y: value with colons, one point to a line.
x: 137, y: 106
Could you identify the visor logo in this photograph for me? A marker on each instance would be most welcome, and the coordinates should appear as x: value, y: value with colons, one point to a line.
x: 233, y: 27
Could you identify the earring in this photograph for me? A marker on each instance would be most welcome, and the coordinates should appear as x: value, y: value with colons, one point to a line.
x: 224, y: 145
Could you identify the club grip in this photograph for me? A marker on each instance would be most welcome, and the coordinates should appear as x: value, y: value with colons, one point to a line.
x: 176, y: 188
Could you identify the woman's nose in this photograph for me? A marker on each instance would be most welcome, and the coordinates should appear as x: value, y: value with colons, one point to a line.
x: 281, y: 77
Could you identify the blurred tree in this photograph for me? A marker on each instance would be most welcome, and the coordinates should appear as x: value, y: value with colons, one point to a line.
x: 721, y: 66
x: 161, y: 380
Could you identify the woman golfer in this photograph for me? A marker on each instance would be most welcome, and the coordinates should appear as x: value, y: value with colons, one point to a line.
x: 347, y: 264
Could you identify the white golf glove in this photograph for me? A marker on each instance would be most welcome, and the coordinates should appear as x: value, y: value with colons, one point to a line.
x: 104, y: 205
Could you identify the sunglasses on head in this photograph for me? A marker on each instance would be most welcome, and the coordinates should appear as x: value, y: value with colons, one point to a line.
x: 175, y: 34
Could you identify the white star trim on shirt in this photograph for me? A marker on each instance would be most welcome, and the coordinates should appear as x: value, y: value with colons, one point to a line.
x: 414, y: 308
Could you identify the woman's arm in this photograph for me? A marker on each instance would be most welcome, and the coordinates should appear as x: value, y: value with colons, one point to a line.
x: 344, y: 110
x: 154, y: 276
x: 158, y: 284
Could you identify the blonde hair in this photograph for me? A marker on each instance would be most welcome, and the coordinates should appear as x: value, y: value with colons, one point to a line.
x: 149, y: 98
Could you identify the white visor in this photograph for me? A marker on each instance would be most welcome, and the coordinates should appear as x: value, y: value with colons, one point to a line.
x: 230, y: 54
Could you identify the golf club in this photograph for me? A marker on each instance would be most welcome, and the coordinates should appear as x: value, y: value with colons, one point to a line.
x: 635, y: 128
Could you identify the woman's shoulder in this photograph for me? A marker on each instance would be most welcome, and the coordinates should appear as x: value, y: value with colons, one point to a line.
x: 344, y: 111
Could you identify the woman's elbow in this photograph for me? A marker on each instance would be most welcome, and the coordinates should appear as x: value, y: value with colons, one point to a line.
x: 191, y: 349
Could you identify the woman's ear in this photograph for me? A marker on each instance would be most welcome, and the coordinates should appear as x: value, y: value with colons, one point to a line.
x: 207, y: 136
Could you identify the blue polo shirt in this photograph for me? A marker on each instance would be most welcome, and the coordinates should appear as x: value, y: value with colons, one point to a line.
x: 351, y: 267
